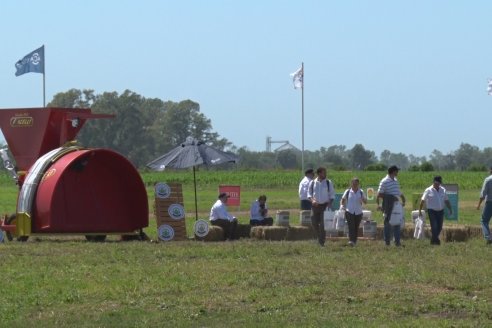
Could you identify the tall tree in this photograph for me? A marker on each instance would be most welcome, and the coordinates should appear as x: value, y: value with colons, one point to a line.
x: 466, y: 155
x: 360, y: 157
x: 142, y: 128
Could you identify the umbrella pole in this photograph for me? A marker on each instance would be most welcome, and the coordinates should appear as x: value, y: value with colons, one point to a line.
x: 196, y: 206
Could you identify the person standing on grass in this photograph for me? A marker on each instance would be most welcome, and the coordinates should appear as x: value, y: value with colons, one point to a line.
x: 389, y: 192
x: 352, y: 201
x: 486, y: 194
x: 303, y: 189
x: 321, y: 194
x: 435, y: 198
x: 219, y: 216
x: 259, y: 213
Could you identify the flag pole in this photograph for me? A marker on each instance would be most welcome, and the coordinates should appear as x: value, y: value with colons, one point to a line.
x: 302, y: 106
x: 44, y: 73
x: 44, y: 91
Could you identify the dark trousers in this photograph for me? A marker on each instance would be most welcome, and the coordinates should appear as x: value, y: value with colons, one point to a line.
x: 264, y: 222
x: 436, y: 219
x: 353, y: 222
x: 388, y: 203
x: 318, y: 222
x: 306, y: 205
x: 229, y: 228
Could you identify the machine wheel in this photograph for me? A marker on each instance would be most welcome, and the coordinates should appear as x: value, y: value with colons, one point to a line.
x: 95, y: 238
x: 9, y: 235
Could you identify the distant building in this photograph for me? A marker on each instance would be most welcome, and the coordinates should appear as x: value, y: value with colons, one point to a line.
x: 287, y: 146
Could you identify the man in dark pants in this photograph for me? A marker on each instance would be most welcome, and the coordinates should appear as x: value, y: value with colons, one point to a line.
x: 435, y: 197
x: 486, y: 194
x: 321, y: 194
x: 219, y: 216
x: 389, y: 192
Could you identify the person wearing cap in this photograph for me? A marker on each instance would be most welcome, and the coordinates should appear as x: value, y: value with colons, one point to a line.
x: 486, y: 194
x: 219, y: 216
x: 389, y: 192
x: 435, y: 198
x: 303, y: 189
x: 259, y: 213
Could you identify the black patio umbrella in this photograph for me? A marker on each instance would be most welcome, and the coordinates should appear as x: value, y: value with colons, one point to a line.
x: 192, y: 153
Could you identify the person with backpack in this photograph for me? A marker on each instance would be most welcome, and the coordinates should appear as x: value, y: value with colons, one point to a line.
x: 352, y: 201
x: 321, y: 194
x: 389, y: 192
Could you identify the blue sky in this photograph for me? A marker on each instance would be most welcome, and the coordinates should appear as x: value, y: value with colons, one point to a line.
x: 408, y: 76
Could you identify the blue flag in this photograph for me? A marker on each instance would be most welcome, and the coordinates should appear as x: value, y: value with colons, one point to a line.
x: 32, y: 62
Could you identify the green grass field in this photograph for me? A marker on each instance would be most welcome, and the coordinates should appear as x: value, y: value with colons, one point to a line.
x: 68, y: 282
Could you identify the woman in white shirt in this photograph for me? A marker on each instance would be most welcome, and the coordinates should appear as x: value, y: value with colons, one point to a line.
x: 352, y: 201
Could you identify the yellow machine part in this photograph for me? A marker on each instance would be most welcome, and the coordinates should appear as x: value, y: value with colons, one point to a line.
x: 23, y: 224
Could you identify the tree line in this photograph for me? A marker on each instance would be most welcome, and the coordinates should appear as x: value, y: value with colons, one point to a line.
x: 145, y: 128
x: 338, y: 157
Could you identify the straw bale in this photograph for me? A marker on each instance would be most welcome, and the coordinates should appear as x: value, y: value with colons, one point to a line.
x: 455, y: 234
x: 474, y: 231
x: 300, y: 233
x: 256, y: 232
x: 274, y: 232
x: 243, y: 230
x: 215, y: 233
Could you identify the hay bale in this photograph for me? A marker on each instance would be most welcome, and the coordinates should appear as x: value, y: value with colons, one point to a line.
x: 474, y: 231
x: 300, y: 233
x: 380, y: 232
x: 243, y: 230
x: 215, y: 233
x: 455, y: 234
x: 407, y: 232
x: 274, y: 232
x: 256, y: 232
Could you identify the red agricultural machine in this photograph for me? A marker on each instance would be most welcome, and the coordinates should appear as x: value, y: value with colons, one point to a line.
x: 65, y: 188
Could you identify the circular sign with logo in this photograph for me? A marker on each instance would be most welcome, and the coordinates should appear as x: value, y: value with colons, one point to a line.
x: 201, y: 228
x: 165, y: 232
x: 176, y: 211
x: 162, y: 190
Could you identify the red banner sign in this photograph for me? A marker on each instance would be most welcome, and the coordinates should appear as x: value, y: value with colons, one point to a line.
x: 234, y: 193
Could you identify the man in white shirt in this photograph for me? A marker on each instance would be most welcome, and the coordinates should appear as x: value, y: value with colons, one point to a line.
x: 389, y: 192
x: 303, y: 189
x: 220, y: 217
x: 321, y: 193
x: 435, y: 197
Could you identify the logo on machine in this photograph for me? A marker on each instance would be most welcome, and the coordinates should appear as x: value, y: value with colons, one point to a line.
x: 48, y: 174
x: 21, y: 121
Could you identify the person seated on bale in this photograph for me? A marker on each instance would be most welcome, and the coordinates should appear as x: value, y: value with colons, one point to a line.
x: 259, y: 213
x: 220, y: 217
